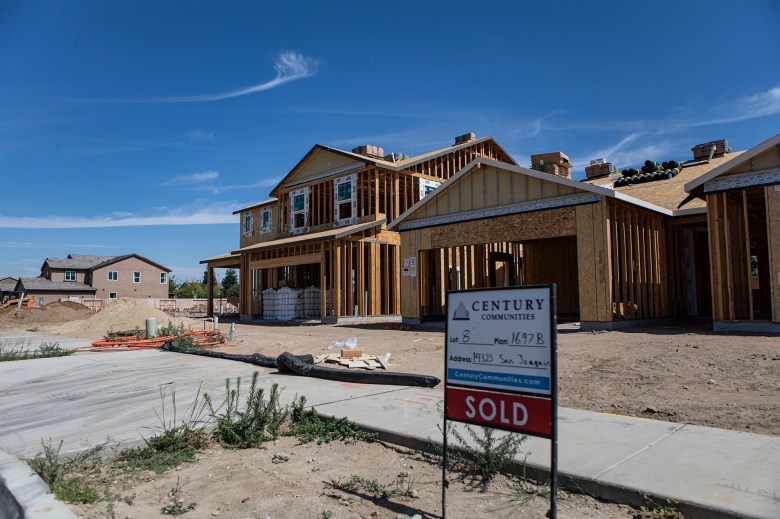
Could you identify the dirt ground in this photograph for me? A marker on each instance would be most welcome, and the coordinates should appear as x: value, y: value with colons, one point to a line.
x: 683, y: 373
x: 249, y: 484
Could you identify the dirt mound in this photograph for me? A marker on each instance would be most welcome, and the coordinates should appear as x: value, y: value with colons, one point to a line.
x: 51, y: 314
x: 122, y: 314
x: 65, y: 304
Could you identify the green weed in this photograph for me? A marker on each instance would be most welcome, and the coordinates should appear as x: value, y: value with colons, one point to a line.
x: 489, y: 455
x: 21, y: 351
x: 402, y: 487
x: 176, y: 506
x: 259, y: 422
x: 66, y: 477
x: 656, y: 511
x: 176, y: 444
x: 307, y: 426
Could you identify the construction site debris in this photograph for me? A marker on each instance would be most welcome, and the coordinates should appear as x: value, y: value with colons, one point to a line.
x: 350, y: 343
x: 289, y: 362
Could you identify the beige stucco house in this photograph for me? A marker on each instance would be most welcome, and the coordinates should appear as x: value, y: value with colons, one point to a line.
x: 98, y: 277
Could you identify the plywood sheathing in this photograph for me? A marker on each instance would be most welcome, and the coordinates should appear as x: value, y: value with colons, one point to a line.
x: 671, y: 192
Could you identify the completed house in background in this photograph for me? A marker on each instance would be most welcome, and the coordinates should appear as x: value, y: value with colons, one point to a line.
x: 105, y: 278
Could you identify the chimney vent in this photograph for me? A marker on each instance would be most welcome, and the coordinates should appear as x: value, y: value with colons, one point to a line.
x: 702, y: 151
x: 466, y: 137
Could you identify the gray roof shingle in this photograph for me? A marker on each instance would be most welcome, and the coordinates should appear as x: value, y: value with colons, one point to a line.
x: 41, y: 283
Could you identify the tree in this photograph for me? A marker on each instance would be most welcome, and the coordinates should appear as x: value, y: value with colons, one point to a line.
x: 190, y: 289
x: 173, y: 286
x: 217, y: 292
x: 230, y: 285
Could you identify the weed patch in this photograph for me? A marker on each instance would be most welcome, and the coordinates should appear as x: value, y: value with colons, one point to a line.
x: 66, y: 477
x: 21, y: 351
x: 259, y: 421
x: 489, y: 455
x: 176, y: 506
x: 307, y: 426
x: 401, y: 487
x: 176, y: 444
x: 654, y: 510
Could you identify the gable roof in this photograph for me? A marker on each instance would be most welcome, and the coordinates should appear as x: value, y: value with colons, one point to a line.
x: 117, y: 259
x: 43, y: 284
x: 76, y: 261
x: 734, y: 162
x: 255, y: 206
x: 549, y: 191
x: 87, y: 262
x: 363, y: 160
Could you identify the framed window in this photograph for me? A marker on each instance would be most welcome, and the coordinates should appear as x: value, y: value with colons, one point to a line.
x: 163, y: 278
x: 112, y: 295
x: 266, y: 220
x: 70, y: 275
x: 299, y: 210
x: 345, y: 203
x: 136, y: 277
x: 426, y: 186
x: 113, y: 275
x: 249, y: 223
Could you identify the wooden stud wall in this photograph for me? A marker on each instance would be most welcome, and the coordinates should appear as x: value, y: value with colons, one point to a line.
x: 728, y: 221
x: 554, y: 261
x: 772, y: 198
x: 443, y: 167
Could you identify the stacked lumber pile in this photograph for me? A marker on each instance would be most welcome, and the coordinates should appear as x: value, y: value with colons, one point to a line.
x: 371, y: 151
x: 466, y: 137
x: 599, y: 168
x: 702, y: 151
x: 556, y: 163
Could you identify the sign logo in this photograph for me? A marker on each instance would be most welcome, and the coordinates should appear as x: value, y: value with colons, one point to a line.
x: 461, y: 314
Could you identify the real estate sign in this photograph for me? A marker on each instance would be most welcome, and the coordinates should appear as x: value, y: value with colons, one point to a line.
x: 501, y: 339
x: 500, y: 367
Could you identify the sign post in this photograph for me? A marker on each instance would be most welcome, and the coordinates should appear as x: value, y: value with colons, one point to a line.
x: 501, y: 352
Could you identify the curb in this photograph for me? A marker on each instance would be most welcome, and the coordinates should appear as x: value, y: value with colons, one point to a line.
x: 24, y: 495
x: 570, y: 482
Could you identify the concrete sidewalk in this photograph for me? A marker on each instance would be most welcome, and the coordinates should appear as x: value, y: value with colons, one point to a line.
x: 88, y: 397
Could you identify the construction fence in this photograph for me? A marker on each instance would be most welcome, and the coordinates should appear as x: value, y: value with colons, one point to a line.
x: 195, y: 306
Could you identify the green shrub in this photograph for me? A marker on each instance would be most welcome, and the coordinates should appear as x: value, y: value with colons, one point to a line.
x: 176, y: 444
x: 259, y: 421
x: 490, y: 454
x: 307, y: 426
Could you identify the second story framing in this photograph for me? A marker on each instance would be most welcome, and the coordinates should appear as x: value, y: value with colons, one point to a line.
x: 332, y: 188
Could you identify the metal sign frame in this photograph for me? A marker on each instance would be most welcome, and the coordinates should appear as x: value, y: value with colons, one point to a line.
x: 503, y: 393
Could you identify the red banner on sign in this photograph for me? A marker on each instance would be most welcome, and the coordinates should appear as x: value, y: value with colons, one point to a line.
x: 516, y: 413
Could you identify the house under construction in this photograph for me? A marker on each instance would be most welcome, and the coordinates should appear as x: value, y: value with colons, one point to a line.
x: 325, y: 226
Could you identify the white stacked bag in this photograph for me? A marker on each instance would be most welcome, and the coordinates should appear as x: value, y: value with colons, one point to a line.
x: 311, y: 302
x: 269, y: 304
x: 288, y: 303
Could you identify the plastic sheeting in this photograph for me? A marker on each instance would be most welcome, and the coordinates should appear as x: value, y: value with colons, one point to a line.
x: 304, y: 365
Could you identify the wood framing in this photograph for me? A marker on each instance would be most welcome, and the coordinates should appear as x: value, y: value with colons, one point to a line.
x: 325, y: 227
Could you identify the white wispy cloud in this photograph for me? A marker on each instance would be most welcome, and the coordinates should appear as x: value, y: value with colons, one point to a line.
x: 193, y: 178
x: 289, y: 66
x: 622, y: 154
x: 49, y: 245
x: 198, y: 213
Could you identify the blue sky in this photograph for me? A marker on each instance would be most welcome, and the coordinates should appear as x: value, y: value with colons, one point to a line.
x: 140, y: 126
